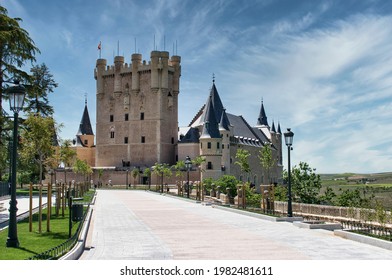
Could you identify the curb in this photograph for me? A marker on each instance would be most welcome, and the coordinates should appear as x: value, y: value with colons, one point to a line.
x: 364, y: 239
x: 78, y: 249
x: 259, y: 216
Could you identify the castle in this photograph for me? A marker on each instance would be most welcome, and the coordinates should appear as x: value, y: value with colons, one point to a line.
x: 137, y: 124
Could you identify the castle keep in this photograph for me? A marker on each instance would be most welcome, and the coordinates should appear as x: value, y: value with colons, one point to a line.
x: 137, y: 110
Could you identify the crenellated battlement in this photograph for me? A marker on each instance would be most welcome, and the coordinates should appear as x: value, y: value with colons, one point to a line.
x: 136, y: 61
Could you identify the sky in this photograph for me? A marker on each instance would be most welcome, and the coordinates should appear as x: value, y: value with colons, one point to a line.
x: 322, y: 68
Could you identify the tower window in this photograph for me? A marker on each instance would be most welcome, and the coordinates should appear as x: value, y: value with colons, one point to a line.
x: 217, y: 145
x: 223, y: 146
x: 111, y: 118
x: 209, y: 145
x: 125, y: 140
x: 143, y: 139
x: 172, y: 140
x: 142, y: 116
x: 112, y: 134
x: 85, y: 142
x: 209, y: 165
x: 126, y: 117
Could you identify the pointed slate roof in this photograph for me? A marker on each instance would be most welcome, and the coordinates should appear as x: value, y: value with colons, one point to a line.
x: 279, y: 131
x: 262, y: 120
x: 85, y: 124
x: 191, y: 136
x: 216, y: 101
x: 210, y: 127
x: 273, y: 127
x: 224, y: 123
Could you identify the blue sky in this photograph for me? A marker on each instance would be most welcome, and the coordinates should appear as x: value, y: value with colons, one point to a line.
x: 323, y: 68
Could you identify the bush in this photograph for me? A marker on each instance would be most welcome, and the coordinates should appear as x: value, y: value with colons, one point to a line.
x: 230, y: 182
x: 208, y: 184
x: 253, y: 199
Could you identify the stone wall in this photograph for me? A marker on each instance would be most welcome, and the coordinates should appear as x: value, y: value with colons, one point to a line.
x: 326, y: 210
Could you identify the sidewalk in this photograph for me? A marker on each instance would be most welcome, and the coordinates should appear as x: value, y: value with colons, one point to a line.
x: 139, y: 225
x: 23, y: 207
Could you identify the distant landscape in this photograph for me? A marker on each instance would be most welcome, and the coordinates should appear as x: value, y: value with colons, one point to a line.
x: 377, y: 184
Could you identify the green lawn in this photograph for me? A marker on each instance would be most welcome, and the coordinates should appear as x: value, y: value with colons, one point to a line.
x: 32, y: 243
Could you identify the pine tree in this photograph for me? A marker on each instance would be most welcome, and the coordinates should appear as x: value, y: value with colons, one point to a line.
x: 41, y: 83
x: 16, y: 48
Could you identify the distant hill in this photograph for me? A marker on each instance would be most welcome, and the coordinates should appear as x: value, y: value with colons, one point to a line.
x: 383, y: 177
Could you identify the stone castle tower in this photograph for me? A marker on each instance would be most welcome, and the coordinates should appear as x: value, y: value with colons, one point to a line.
x: 137, y: 110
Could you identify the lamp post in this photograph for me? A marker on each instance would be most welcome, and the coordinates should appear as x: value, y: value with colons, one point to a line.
x: 188, y: 166
x: 16, y: 98
x: 288, y: 138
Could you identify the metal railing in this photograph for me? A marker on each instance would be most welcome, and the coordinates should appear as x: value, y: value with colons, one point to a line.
x: 374, y: 230
x: 63, y: 248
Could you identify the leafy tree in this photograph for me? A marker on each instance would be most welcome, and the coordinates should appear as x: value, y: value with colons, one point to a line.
x: 207, y: 182
x: 100, y: 174
x: 305, y: 183
x: 82, y: 167
x: 37, y: 141
x: 242, y: 160
x: 162, y: 170
x: 328, y: 197
x: 179, y: 168
x: 350, y: 198
x: 198, y: 161
x: 147, y: 173
x: 266, y: 160
x: 67, y: 156
x: 135, y: 173
x: 16, y: 48
x: 280, y: 193
x: 41, y: 83
x: 4, y: 159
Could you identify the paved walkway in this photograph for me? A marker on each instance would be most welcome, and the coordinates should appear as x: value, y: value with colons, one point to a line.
x: 136, y: 225
x: 23, y: 206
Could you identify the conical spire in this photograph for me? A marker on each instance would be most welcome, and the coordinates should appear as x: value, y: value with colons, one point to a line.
x: 209, y: 119
x: 262, y: 120
x: 85, y: 124
x: 273, y: 127
x: 224, y: 123
x: 216, y: 101
x: 279, y: 131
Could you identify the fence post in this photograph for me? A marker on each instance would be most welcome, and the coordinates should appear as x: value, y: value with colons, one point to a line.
x: 31, y: 207
x: 49, y: 207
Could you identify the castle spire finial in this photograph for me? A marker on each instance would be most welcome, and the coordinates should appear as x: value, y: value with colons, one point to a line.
x: 85, y: 98
x: 213, y: 78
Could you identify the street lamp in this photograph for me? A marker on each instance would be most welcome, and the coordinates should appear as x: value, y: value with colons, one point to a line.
x: 288, y: 138
x: 188, y: 166
x: 16, y: 95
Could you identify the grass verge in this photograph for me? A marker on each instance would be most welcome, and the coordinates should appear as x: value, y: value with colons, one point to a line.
x: 32, y: 243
